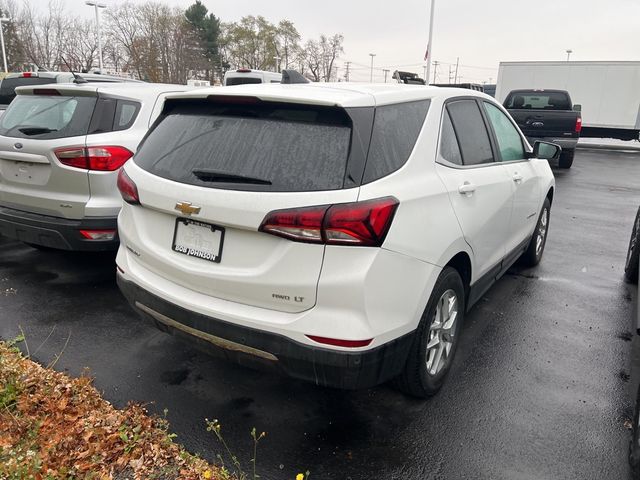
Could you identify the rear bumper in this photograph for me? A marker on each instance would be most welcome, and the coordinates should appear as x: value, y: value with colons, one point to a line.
x: 53, y: 232
x: 252, y: 347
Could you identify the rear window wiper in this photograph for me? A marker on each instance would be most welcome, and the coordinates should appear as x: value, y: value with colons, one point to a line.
x: 213, y: 176
x: 36, y: 130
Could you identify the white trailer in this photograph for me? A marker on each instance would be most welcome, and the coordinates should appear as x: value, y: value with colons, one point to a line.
x: 608, y: 92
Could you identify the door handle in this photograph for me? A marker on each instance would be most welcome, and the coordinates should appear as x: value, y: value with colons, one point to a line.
x: 517, y: 177
x: 467, y: 189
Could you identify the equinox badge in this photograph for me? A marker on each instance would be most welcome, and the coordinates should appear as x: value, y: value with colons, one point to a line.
x: 187, y: 208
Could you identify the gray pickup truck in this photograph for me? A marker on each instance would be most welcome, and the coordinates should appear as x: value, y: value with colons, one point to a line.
x: 547, y: 115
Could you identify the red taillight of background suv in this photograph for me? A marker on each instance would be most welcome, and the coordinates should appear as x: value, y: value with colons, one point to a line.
x: 105, y: 159
x: 578, y: 125
x: 363, y: 223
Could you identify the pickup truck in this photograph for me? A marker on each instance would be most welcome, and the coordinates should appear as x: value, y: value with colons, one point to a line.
x: 547, y: 115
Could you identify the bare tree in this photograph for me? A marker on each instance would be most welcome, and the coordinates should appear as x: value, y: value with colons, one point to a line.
x: 43, y: 36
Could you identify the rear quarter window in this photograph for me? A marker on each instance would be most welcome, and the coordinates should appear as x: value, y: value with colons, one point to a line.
x: 47, y: 117
x: 395, y: 131
x: 274, y: 147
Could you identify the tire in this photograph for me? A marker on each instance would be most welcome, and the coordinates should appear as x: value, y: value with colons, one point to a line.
x: 423, y: 374
x: 633, y: 253
x: 634, y: 444
x: 566, y: 158
x: 533, y: 254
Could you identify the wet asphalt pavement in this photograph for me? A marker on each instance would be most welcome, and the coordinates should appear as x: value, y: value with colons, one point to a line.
x: 539, y: 388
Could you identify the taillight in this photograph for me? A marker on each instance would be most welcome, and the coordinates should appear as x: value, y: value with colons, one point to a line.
x: 359, y: 223
x: 29, y: 74
x: 128, y: 188
x: 105, y: 159
x: 100, y: 235
x: 578, y: 124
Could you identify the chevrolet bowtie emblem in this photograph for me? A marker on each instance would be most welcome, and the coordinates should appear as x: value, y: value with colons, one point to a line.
x: 187, y: 208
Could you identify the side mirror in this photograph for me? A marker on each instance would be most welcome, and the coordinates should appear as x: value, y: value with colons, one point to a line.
x: 577, y: 107
x: 546, y: 150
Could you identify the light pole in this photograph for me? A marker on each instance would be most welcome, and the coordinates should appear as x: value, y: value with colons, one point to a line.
x: 97, y: 5
x: 427, y: 57
x: 4, y: 54
x: 386, y: 71
x: 371, y: 55
x: 569, y: 52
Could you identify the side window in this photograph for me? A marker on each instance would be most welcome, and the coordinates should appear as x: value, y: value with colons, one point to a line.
x: 395, y: 131
x: 471, y: 132
x: 449, y: 148
x: 509, y: 140
x: 126, y: 113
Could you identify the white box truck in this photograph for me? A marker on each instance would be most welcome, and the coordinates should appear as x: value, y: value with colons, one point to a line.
x: 608, y: 92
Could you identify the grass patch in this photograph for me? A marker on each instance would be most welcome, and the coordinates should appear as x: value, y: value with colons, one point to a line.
x: 56, y: 427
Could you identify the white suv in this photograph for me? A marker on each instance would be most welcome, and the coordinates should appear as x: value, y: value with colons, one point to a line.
x: 61, y: 146
x: 337, y: 231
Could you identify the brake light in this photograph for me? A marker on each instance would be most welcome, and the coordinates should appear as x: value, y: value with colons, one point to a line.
x: 105, y: 159
x: 359, y: 223
x: 128, y: 188
x: 243, y: 70
x: 29, y: 74
x: 46, y: 91
x: 336, y: 342
x: 578, y: 124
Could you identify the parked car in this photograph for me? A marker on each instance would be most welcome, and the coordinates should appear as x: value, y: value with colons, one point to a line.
x: 61, y: 146
x: 13, y: 80
x: 632, y: 263
x: 244, y: 76
x: 631, y: 267
x: 256, y: 223
x: 547, y: 115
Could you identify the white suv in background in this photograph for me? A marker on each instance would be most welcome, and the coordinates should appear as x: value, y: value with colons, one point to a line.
x: 61, y: 146
x: 337, y: 231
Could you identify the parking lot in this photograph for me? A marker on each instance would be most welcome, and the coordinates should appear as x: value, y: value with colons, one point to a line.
x: 539, y: 389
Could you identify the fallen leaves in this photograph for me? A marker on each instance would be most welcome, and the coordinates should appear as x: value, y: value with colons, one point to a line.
x: 52, y: 426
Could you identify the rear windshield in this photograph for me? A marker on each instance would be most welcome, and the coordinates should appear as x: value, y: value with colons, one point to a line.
x: 242, y: 80
x: 265, y: 147
x: 8, y: 86
x: 46, y: 117
x: 538, y: 100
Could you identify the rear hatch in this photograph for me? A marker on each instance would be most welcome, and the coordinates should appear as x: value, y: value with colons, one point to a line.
x: 209, y: 173
x: 543, y: 113
x: 37, y: 123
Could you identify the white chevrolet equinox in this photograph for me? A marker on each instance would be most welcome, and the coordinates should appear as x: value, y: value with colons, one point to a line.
x: 338, y: 232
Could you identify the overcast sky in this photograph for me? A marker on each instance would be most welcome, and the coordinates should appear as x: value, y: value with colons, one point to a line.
x: 481, y: 32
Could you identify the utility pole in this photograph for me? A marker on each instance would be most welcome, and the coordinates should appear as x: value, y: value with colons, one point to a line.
x: 346, y: 74
x: 4, y: 53
x: 277, y: 58
x: 386, y: 71
x: 429, y: 54
x: 435, y: 70
x: 455, y: 80
x: 97, y: 5
x: 450, y: 72
x: 371, y: 55
x: 424, y: 75
x: 569, y: 52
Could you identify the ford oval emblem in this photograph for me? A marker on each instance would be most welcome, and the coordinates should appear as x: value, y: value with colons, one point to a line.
x: 17, y: 145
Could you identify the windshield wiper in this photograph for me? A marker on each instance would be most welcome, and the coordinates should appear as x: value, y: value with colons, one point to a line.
x: 213, y: 176
x: 36, y: 130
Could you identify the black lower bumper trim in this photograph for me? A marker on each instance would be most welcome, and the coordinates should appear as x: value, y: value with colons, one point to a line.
x: 330, y: 368
x: 54, y: 232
